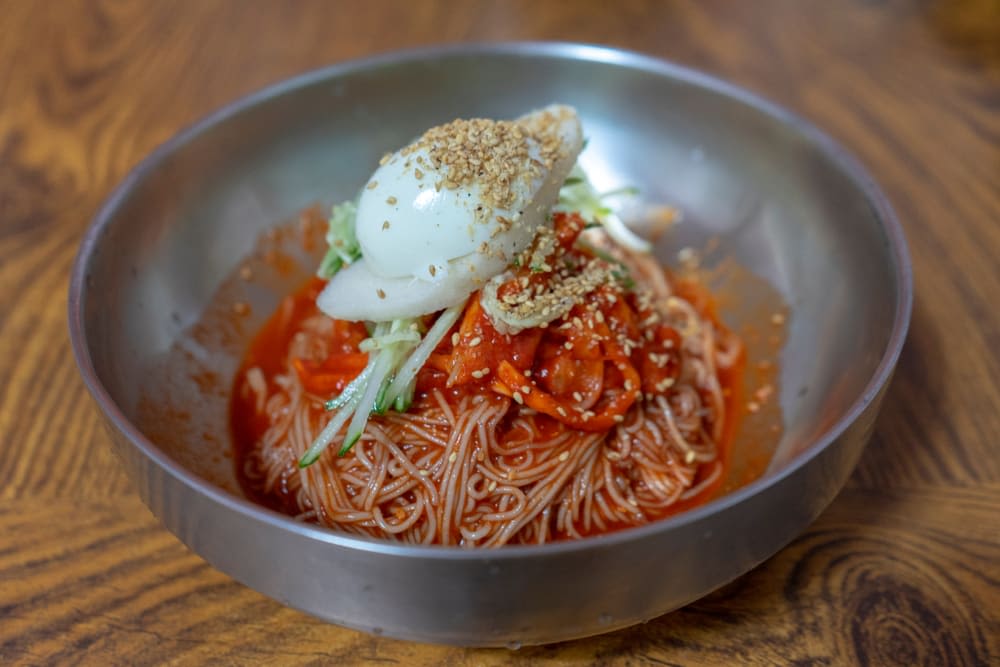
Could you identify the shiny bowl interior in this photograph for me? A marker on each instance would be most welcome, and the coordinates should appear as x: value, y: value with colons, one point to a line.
x: 785, y: 201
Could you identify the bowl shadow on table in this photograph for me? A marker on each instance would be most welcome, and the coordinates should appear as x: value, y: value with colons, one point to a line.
x: 773, y: 604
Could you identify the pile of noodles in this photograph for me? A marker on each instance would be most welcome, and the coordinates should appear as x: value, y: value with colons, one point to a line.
x: 473, y: 465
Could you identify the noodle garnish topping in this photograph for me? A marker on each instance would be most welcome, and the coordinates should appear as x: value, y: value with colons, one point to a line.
x: 540, y: 378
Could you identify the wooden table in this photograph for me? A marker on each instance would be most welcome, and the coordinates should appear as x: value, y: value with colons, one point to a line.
x: 904, y: 567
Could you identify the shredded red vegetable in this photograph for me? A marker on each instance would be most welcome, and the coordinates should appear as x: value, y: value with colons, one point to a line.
x: 586, y: 373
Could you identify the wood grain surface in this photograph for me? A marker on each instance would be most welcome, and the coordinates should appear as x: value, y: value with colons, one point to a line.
x: 904, y: 567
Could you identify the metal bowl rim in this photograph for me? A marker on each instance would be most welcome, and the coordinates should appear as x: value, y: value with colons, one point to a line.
x: 596, y: 54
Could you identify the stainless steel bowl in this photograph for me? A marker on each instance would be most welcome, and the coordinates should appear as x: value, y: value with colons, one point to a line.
x: 786, y: 201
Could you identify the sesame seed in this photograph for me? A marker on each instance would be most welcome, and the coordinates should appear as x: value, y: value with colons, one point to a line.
x: 577, y: 396
x: 385, y: 225
x: 618, y: 419
x: 564, y: 456
x: 525, y: 389
x: 778, y: 319
x: 475, y: 341
x: 493, y: 484
x: 518, y: 398
x: 380, y: 292
x: 689, y: 456
x: 561, y: 410
x: 391, y: 201
x: 432, y: 269
x: 527, y: 373
x: 419, y: 174
x: 424, y: 473
x: 492, y: 154
x: 664, y: 384
x: 455, y: 338
x: 372, y: 185
x: 484, y: 371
